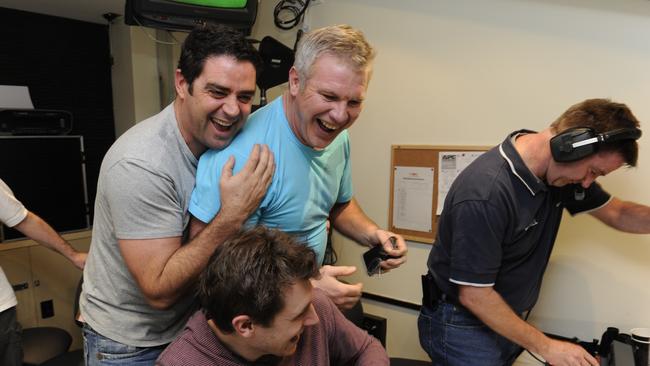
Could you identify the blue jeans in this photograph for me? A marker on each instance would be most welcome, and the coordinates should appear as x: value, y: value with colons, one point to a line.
x: 102, y: 351
x: 452, y: 336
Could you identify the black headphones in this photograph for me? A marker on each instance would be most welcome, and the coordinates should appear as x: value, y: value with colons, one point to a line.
x: 579, y: 142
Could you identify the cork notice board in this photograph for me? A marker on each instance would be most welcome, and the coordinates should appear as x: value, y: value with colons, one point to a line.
x: 414, y: 168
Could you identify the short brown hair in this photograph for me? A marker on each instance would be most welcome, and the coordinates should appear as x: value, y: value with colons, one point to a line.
x: 214, y: 40
x: 248, y: 274
x: 602, y: 115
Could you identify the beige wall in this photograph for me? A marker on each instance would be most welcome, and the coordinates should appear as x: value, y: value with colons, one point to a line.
x: 467, y: 72
x: 135, y: 74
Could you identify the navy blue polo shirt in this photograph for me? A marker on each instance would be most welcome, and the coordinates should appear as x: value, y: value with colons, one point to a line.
x: 498, y: 226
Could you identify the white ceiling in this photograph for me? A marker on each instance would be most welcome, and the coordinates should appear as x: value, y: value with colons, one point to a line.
x: 86, y: 10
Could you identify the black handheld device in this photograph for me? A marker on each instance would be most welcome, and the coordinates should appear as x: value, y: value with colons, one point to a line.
x: 373, y: 257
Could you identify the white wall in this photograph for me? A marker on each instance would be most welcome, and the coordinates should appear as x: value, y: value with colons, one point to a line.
x: 467, y: 72
x: 135, y: 77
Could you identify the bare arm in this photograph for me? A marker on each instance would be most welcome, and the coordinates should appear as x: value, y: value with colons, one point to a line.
x: 40, y: 231
x: 350, y: 220
x: 164, y: 268
x: 625, y: 216
x: 490, y: 308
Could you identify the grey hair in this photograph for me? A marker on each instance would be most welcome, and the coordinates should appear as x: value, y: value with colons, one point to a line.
x: 341, y: 41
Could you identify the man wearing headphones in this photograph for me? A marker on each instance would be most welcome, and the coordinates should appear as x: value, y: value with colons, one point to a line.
x: 498, y: 227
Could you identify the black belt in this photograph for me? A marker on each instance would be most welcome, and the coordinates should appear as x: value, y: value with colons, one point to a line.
x: 432, y: 294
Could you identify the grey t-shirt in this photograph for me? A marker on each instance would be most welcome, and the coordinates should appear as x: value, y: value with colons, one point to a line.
x: 143, y: 192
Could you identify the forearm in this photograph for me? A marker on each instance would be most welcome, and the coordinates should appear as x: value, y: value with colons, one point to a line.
x: 492, y: 310
x: 173, y: 269
x: 38, y: 230
x: 625, y: 216
x: 350, y: 220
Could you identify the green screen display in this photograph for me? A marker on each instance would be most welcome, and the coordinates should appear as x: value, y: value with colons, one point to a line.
x: 215, y: 3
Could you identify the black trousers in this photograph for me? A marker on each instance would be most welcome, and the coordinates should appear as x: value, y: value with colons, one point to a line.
x: 11, y: 353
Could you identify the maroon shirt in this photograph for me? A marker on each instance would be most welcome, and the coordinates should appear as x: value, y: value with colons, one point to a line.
x: 333, y: 341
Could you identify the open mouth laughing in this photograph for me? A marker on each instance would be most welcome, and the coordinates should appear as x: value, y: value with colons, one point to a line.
x: 327, y: 127
x: 221, y: 125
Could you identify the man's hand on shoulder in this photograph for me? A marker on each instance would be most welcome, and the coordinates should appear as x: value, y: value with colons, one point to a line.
x: 242, y: 193
x: 342, y: 294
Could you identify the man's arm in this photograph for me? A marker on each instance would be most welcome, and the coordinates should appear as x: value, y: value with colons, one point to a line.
x: 40, y: 231
x: 350, y: 220
x: 624, y: 216
x: 492, y: 310
x: 164, y: 268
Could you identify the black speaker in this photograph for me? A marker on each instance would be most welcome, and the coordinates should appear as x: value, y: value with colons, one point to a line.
x: 580, y: 142
x: 277, y: 60
x: 47, y: 174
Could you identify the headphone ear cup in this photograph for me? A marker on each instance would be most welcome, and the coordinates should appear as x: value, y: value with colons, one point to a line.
x: 562, y: 148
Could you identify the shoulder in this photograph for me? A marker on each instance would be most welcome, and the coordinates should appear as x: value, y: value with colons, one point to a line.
x: 191, y: 345
x: 485, y: 178
x: 148, y: 138
x: 258, y: 129
x: 323, y: 305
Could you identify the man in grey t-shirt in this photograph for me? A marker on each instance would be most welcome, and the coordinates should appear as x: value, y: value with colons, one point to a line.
x: 136, y: 294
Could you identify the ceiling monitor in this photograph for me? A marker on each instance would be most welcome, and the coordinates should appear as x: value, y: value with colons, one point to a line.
x: 183, y: 15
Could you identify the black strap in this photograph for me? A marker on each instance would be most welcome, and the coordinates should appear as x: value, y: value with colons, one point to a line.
x: 432, y: 295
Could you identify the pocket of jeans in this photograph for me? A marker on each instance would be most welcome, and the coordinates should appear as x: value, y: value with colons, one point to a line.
x: 462, y: 318
x: 425, y: 331
x: 111, y: 350
x: 424, y: 321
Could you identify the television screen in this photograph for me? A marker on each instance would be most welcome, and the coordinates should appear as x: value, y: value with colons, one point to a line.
x: 183, y: 15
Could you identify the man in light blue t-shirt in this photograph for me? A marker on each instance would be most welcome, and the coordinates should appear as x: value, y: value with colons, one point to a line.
x: 306, y: 131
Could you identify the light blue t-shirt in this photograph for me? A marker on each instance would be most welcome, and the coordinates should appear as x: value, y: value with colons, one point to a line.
x: 306, y: 184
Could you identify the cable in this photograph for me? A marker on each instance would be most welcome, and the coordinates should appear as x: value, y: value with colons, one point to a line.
x: 530, y: 353
x: 154, y: 38
x: 289, y: 13
x: 330, y: 254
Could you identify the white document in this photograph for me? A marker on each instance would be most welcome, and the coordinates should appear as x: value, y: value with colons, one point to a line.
x: 413, y: 198
x: 451, y: 164
x: 16, y: 97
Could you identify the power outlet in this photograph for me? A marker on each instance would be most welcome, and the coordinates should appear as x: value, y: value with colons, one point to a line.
x: 47, y: 309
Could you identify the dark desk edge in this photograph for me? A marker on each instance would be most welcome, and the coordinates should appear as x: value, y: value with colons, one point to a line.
x: 391, y: 301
